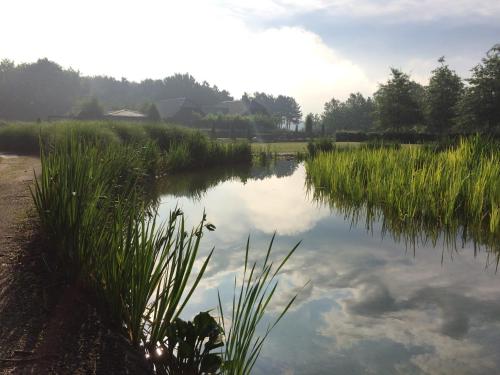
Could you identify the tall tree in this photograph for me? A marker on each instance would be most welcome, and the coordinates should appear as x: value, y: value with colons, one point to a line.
x: 37, y: 90
x: 480, y: 106
x: 441, y: 98
x: 332, y: 115
x: 353, y: 114
x: 398, y: 103
x: 309, y: 123
x: 289, y: 110
x: 153, y: 114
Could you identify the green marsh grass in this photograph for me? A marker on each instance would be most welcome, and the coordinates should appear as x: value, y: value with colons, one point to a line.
x: 249, y: 305
x: 94, y: 211
x: 181, y: 148
x: 456, y: 189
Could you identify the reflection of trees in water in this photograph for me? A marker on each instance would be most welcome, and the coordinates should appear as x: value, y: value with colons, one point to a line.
x: 195, y: 184
x: 413, y: 233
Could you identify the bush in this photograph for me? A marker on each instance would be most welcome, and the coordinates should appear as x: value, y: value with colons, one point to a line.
x: 321, y: 145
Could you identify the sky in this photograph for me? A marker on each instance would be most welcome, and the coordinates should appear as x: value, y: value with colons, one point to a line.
x: 313, y: 50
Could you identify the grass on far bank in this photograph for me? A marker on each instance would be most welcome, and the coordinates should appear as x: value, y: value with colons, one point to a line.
x: 176, y: 148
x: 290, y: 147
x: 455, y: 187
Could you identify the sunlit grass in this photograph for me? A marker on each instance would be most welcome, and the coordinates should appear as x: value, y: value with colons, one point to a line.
x: 417, y: 186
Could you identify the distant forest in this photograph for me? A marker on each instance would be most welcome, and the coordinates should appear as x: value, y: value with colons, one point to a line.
x: 38, y: 90
x: 446, y: 104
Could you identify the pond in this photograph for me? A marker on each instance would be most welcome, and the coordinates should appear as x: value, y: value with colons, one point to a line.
x: 370, y: 301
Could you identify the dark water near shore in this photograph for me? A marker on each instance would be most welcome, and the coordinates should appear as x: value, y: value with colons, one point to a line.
x: 373, y: 304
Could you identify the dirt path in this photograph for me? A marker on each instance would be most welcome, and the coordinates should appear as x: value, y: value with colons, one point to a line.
x: 46, y: 326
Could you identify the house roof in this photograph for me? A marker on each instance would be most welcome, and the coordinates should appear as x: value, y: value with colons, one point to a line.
x: 125, y: 113
x: 229, y: 107
x: 236, y: 107
x: 170, y: 107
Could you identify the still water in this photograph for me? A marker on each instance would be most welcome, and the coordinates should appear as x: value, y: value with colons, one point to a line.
x: 368, y: 303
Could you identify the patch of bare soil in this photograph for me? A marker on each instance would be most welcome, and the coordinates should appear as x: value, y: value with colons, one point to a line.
x: 46, y: 326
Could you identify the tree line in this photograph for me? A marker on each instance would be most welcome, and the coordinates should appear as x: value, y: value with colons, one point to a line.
x: 38, y: 90
x: 447, y: 104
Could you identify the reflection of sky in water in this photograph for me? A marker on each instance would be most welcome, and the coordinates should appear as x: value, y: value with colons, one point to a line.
x: 370, y: 306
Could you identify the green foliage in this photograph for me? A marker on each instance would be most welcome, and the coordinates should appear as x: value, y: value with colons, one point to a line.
x: 480, y: 106
x: 309, y: 123
x: 418, y: 188
x: 398, y: 103
x: 188, y: 346
x: 92, y: 207
x: 91, y: 110
x: 282, y: 107
x: 322, y: 145
x: 153, y: 114
x: 37, y: 90
x: 353, y: 114
x: 177, y: 148
x: 249, y: 305
x: 441, y: 99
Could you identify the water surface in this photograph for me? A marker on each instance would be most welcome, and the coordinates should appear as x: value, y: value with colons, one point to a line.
x: 370, y: 304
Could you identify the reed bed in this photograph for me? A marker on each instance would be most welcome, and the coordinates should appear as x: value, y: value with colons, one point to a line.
x: 95, y: 214
x: 420, y: 187
x: 181, y: 148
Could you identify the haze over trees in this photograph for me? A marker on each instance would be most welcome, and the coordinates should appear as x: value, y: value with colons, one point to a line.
x: 356, y: 113
x: 447, y: 104
x: 283, y: 107
x: 44, y: 88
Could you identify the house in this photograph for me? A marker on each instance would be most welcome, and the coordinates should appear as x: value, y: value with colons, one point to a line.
x: 180, y: 110
x: 125, y: 115
x: 236, y: 108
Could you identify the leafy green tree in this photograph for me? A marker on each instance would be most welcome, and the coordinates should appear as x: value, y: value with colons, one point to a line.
x: 480, y: 106
x: 398, y: 103
x: 37, y: 90
x: 332, y: 114
x: 153, y: 114
x: 91, y: 109
x: 441, y: 98
x: 289, y: 110
x: 353, y: 114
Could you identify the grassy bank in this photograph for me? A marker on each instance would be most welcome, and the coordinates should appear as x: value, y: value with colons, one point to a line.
x: 177, y: 148
x: 420, y: 187
x: 94, y: 213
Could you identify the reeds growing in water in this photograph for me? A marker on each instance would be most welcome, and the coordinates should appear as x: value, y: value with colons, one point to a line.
x: 420, y: 187
x: 93, y: 209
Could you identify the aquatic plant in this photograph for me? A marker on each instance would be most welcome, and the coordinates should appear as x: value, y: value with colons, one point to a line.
x: 418, y: 186
x: 242, y: 347
x: 95, y: 213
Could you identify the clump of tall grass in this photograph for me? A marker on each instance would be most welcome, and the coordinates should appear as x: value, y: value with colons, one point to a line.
x: 248, y: 308
x: 457, y: 186
x: 314, y: 147
x: 181, y: 148
x: 91, y: 204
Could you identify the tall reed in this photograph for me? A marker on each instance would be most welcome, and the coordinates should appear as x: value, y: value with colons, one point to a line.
x: 418, y: 186
x: 94, y: 211
x: 248, y: 308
